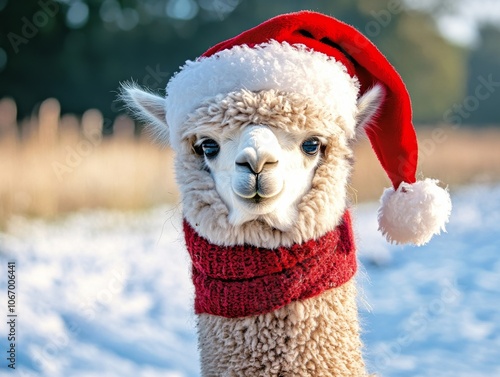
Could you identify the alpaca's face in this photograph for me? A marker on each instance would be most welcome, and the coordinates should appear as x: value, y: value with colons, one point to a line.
x: 263, y: 168
x: 261, y: 172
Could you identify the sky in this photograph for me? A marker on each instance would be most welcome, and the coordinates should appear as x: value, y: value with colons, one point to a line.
x: 460, y: 23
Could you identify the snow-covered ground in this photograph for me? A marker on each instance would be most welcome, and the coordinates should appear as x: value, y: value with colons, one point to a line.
x: 108, y: 294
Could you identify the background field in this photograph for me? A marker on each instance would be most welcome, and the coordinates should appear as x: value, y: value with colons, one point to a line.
x: 90, y: 213
x: 51, y: 165
x: 107, y: 293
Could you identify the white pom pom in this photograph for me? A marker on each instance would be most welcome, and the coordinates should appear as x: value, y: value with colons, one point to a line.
x: 414, y: 212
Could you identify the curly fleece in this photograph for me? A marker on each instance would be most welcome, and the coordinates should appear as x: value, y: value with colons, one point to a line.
x: 321, y: 209
x: 315, y: 337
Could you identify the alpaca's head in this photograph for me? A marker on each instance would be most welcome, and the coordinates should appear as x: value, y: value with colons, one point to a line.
x: 262, y: 125
x: 261, y: 170
x: 258, y: 164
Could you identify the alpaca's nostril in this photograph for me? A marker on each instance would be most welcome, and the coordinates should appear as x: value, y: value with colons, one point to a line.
x: 256, y: 167
x: 269, y: 164
x: 246, y: 165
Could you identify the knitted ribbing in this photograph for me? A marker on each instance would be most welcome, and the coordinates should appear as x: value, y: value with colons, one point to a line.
x: 243, y: 280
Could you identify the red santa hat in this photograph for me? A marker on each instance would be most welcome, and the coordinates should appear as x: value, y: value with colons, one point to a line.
x: 331, y: 62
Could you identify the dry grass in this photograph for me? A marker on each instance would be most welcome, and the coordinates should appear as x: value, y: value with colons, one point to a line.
x: 55, y: 165
x: 454, y: 156
x: 63, y: 165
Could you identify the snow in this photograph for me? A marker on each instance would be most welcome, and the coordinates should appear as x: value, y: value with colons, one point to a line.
x: 435, y: 309
x: 108, y: 294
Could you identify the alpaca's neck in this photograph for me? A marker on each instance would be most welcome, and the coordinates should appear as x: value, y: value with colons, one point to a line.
x: 243, y: 280
x: 315, y: 337
x: 280, y: 312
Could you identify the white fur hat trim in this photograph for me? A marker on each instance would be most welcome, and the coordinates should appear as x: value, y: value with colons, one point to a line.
x: 414, y: 212
x: 272, y: 65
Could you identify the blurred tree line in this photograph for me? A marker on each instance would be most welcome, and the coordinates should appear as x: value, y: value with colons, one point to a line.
x: 79, y: 50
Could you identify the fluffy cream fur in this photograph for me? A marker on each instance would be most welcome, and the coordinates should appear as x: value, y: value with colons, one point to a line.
x: 148, y: 108
x: 414, y: 212
x: 271, y: 65
x: 318, y: 212
x: 283, y: 181
x: 316, y: 337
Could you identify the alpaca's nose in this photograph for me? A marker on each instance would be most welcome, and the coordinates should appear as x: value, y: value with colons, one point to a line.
x: 259, y: 149
x: 256, y: 160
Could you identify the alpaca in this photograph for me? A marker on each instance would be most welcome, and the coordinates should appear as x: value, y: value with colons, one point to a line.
x: 262, y: 158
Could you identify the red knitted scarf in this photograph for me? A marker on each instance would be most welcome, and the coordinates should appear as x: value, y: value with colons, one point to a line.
x: 243, y: 280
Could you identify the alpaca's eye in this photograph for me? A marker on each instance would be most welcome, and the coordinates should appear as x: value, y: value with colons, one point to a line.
x: 311, y: 146
x: 209, y: 148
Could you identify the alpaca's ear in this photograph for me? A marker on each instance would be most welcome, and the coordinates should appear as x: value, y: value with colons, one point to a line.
x: 368, y: 105
x: 147, y: 107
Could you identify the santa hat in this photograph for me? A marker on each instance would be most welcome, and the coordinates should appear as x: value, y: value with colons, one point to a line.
x: 333, y: 63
